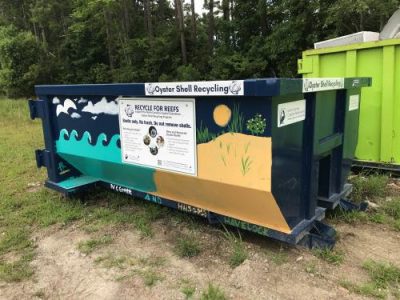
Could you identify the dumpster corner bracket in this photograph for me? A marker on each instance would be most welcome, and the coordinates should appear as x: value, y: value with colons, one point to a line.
x: 321, y: 236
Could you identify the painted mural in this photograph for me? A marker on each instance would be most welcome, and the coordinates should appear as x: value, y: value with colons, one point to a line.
x: 234, y: 157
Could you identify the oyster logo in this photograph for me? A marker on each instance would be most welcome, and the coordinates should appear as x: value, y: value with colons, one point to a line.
x: 150, y: 89
x: 129, y: 110
x: 196, y: 88
x: 235, y: 87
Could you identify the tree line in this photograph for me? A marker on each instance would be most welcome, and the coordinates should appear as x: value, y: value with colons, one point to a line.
x: 99, y: 41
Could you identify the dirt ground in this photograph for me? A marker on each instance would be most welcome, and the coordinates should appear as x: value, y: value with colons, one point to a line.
x: 64, y: 272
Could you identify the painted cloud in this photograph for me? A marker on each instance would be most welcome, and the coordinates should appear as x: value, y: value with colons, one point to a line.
x: 75, y: 115
x: 82, y: 101
x: 64, y: 108
x: 102, y: 107
x: 56, y: 100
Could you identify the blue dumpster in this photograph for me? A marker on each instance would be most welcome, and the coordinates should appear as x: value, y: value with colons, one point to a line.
x: 264, y: 155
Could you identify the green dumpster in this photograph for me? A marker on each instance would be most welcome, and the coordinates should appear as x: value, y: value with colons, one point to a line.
x: 379, y: 128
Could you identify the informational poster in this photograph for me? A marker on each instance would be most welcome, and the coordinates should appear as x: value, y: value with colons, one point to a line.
x: 322, y: 84
x: 354, y: 102
x: 159, y: 133
x: 195, y: 88
x: 291, y: 112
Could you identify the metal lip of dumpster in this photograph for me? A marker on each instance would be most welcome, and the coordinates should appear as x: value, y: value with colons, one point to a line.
x: 378, y: 142
x: 220, y: 149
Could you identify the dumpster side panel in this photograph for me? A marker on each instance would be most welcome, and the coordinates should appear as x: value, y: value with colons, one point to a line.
x: 396, y: 110
x: 233, y: 158
x: 379, y: 114
x: 287, y: 164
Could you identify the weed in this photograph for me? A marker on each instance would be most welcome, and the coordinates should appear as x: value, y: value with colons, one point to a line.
x: 91, y: 245
x: 378, y: 218
x: 279, y: 258
x: 237, y: 122
x: 367, y: 187
x: 331, y: 256
x: 392, y: 208
x: 213, y: 293
x: 40, y: 294
x: 187, y: 246
x: 396, y: 225
x: 18, y: 270
x: 245, y: 165
x: 383, y: 277
x: 188, y: 289
x: 350, y: 217
x: 382, y: 274
x: 150, y: 278
x: 238, y: 250
x: 109, y: 261
x: 311, y: 268
x: 152, y: 261
x: 366, y: 289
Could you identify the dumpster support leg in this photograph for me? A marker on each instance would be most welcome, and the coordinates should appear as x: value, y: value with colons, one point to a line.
x: 347, y: 205
x: 320, y: 236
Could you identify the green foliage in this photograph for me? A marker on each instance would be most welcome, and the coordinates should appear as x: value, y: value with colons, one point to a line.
x: 187, y: 246
x: 96, y: 41
x: 213, y: 293
x: 382, y: 274
x: 384, y: 277
x: 366, y: 289
x: 91, y: 245
x: 238, y: 251
x: 368, y: 187
x: 256, y: 125
x: 331, y: 256
x: 188, y: 289
x: 19, y: 61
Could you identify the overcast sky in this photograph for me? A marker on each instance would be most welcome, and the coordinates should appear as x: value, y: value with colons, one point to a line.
x: 198, y: 5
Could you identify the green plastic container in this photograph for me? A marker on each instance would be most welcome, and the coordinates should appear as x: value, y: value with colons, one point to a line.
x: 379, y: 129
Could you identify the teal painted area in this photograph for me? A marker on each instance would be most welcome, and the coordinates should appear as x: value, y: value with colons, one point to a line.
x: 76, y: 182
x: 103, y: 162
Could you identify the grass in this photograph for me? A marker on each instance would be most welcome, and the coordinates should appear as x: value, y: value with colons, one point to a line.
x: 372, y: 187
x: 238, y: 253
x: 365, y: 289
x: 333, y: 257
x: 150, y: 277
x: 110, y: 261
x: 188, y: 288
x: 279, y: 257
x: 213, y: 293
x: 382, y: 274
x: 91, y: 245
x: 384, y: 278
x: 24, y: 210
x: 187, y: 246
x: 368, y: 186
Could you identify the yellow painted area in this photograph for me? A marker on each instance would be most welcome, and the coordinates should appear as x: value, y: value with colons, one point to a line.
x: 222, y: 115
x: 237, y: 159
x: 234, y: 179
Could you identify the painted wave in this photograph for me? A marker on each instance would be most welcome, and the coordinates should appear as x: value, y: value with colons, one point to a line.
x: 84, y: 145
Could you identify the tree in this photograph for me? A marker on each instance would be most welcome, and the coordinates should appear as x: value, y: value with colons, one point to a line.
x: 181, y: 29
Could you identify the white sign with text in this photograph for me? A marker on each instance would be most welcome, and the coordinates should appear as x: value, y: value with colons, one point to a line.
x: 159, y: 133
x: 291, y: 112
